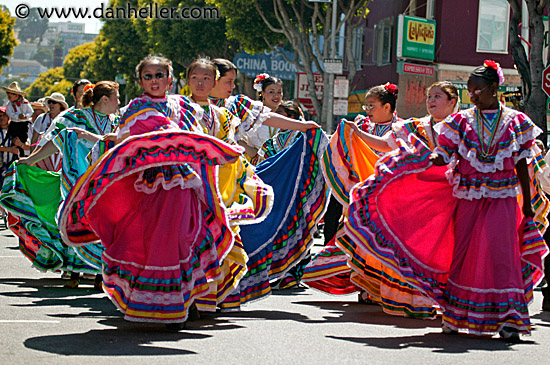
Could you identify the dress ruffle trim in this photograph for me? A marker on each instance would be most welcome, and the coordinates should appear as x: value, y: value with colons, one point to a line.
x: 471, y: 153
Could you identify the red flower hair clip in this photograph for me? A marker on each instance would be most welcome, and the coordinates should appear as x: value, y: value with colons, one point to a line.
x: 391, y: 88
x: 495, y: 66
x: 258, y: 81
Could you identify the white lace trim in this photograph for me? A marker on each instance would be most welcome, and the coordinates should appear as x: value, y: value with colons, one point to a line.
x: 471, y: 154
x: 483, y: 192
x: 252, y: 125
x: 172, y: 103
x: 140, y: 185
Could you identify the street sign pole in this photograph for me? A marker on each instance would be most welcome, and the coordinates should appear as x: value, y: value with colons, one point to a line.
x: 331, y: 75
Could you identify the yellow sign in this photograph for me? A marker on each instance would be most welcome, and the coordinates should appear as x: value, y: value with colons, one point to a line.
x: 421, y: 32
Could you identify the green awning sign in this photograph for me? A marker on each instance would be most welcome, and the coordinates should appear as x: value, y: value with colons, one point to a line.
x: 415, y: 38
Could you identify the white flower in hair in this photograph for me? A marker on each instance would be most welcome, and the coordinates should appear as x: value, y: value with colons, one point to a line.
x: 258, y: 82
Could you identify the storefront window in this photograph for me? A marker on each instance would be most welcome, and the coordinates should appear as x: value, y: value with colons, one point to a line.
x: 492, y: 28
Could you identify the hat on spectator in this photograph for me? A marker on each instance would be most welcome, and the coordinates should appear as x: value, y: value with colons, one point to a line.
x: 39, y: 105
x: 14, y: 89
x: 58, y: 98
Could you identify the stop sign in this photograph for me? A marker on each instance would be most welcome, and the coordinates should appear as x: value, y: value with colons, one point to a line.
x: 546, y: 81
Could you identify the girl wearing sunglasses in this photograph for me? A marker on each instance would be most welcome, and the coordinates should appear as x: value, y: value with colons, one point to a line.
x: 170, y: 229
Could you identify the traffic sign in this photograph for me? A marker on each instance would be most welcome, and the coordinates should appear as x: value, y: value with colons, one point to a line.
x: 546, y: 80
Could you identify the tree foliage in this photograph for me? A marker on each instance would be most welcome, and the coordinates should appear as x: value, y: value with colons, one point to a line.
x: 76, y: 59
x: 49, y: 82
x: 183, y: 40
x: 7, y: 37
x: 244, y: 24
x: 122, y: 43
x: 44, y: 55
x: 32, y: 28
x: 303, y: 25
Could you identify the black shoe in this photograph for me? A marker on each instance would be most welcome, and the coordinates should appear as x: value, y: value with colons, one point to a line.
x: 509, y: 334
x: 194, y: 314
x: 175, y: 326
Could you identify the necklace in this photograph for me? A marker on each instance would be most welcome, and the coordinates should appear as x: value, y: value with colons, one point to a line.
x: 381, y: 129
x: 480, y: 118
x: 97, y: 124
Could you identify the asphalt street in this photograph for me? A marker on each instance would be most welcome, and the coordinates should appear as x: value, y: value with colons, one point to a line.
x: 42, y: 322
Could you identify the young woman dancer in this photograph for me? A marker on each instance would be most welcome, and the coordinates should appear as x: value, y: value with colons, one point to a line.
x: 168, y: 241
x: 35, y: 195
x: 478, y: 252
x: 330, y: 271
x: 271, y: 251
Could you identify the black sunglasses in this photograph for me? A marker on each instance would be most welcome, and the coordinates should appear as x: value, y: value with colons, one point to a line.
x: 158, y: 75
x: 52, y: 102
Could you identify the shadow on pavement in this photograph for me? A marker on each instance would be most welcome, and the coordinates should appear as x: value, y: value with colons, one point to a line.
x: 136, y: 340
x: 368, y: 314
x: 272, y: 315
x: 49, y: 292
x: 438, y: 342
x: 543, y: 316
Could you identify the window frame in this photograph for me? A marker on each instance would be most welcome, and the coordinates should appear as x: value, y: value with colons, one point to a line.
x: 478, y: 33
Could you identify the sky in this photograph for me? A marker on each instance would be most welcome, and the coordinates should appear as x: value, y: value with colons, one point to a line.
x: 92, y: 25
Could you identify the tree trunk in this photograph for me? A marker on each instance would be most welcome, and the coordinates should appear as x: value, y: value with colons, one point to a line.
x: 530, y: 69
x: 536, y: 105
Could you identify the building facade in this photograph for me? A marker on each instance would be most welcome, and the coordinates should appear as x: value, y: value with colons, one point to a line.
x: 455, y: 37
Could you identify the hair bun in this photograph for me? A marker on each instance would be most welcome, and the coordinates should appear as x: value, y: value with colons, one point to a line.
x: 391, y: 88
x: 495, y: 66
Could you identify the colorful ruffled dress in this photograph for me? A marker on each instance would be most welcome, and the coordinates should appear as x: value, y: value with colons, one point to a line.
x: 34, y: 196
x: 283, y: 239
x: 340, y: 268
x: 247, y: 199
x: 154, y: 203
x: 462, y: 240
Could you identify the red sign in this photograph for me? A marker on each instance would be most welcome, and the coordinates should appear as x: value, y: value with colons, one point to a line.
x: 546, y: 80
x: 409, y: 68
x: 303, y: 94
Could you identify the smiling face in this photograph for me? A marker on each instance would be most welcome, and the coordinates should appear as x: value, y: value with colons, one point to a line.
x: 225, y: 86
x: 439, y: 104
x: 152, y: 82
x: 55, y: 108
x: 378, y: 112
x: 201, y: 81
x: 273, y: 96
